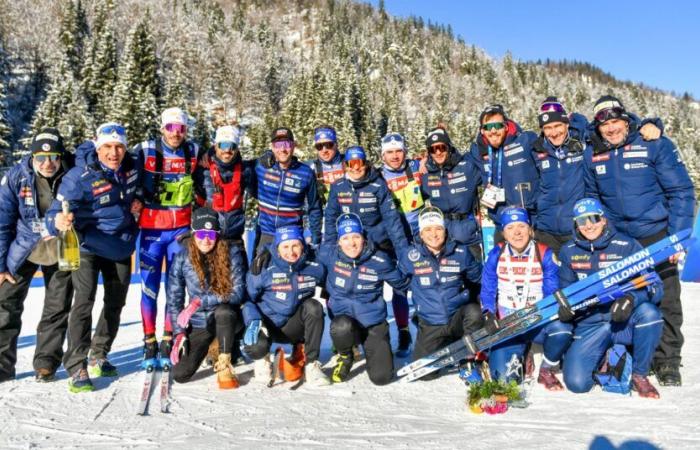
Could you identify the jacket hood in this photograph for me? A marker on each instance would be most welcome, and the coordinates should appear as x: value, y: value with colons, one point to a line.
x: 513, y: 131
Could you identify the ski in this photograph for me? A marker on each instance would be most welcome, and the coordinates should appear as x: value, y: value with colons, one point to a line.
x: 588, y: 287
x: 148, y: 378
x: 165, y: 378
x: 276, y: 365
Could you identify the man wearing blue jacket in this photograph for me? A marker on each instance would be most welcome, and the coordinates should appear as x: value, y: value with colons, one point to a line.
x: 646, y: 192
x: 283, y: 308
x: 440, y: 270
x: 100, y: 192
x: 26, y: 192
x: 286, y: 191
x: 632, y: 320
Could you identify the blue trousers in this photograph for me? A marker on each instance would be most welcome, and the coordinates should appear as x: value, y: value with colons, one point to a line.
x: 642, y: 331
x: 554, y: 338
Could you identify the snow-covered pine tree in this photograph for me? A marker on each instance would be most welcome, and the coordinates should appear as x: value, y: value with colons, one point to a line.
x: 5, y: 129
x: 74, y: 29
x: 99, y: 74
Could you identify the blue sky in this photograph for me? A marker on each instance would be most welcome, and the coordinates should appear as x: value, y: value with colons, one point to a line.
x: 639, y: 41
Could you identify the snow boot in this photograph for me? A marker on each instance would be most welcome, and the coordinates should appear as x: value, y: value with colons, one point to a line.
x: 100, y: 367
x: 150, y: 353
x: 405, y: 341
x: 212, y: 354
x: 166, y: 347
x: 80, y: 381
x: 263, y: 370
x: 224, y: 372
x: 44, y: 375
x: 668, y: 375
x: 341, y: 371
x: 294, y: 368
x: 549, y: 379
x: 643, y: 386
x: 314, y: 374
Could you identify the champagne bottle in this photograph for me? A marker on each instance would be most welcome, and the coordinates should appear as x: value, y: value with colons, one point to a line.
x: 68, y: 247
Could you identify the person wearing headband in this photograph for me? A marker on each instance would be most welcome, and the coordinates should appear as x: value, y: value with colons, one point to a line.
x: 631, y: 319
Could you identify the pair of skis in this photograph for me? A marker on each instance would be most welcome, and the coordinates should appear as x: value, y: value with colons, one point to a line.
x: 163, y: 388
x: 603, y: 286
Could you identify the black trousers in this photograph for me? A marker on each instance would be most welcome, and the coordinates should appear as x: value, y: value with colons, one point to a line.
x: 430, y: 338
x: 225, y: 325
x: 305, y: 325
x: 669, y: 348
x: 553, y: 241
x: 50, y: 332
x: 347, y: 332
x: 116, y: 276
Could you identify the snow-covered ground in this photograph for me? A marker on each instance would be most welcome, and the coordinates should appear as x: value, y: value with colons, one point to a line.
x: 354, y: 414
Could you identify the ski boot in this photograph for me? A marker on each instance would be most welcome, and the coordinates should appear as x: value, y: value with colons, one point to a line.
x: 405, y: 341
x: 80, y: 381
x: 150, y: 353
x: 166, y: 347
x: 341, y: 371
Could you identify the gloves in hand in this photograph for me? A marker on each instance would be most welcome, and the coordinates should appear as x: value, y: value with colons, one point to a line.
x: 491, y: 323
x: 566, y: 314
x: 183, y: 319
x: 180, y: 347
x: 252, y: 333
x: 267, y: 160
x: 621, y: 310
x: 261, y: 262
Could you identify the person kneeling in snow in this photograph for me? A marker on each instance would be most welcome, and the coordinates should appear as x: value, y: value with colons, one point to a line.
x: 632, y: 319
x: 210, y: 271
x: 283, y: 308
x: 517, y: 274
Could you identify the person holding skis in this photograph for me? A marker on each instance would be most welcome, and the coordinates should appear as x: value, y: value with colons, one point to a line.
x: 26, y: 192
x: 101, y: 195
x: 645, y: 191
x: 282, y: 308
x: 518, y: 273
x: 166, y: 164
x: 210, y: 272
x: 632, y: 319
x: 357, y: 271
x: 440, y: 269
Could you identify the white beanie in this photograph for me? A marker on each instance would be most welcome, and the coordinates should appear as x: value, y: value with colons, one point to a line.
x: 393, y: 141
x: 173, y: 115
x: 228, y: 133
x: 430, y: 216
x: 109, y: 133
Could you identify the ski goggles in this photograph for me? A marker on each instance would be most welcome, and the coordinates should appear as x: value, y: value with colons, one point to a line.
x: 552, y: 107
x: 355, y: 164
x: 227, y: 146
x: 610, y: 113
x: 593, y: 218
x: 42, y: 158
x: 493, y: 126
x: 112, y: 128
x: 175, y: 128
x: 324, y: 145
x: 212, y: 235
x: 282, y: 145
x: 437, y: 148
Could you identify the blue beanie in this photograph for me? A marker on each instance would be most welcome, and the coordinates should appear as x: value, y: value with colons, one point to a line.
x: 293, y: 233
x: 347, y: 224
x: 355, y: 152
x: 513, y: 214
x: 324, y: 134
x: 587, y: 207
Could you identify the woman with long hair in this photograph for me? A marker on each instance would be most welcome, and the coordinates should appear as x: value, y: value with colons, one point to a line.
x: 211, y: 273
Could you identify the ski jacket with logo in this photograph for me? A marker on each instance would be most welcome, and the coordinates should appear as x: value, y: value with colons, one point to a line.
x: 166, y: 183
x: 100, y: 200
x: 327, y: 173
x: 513, y: 281
x: 643, y: 185
x: 356, y: 286
x: 452, y: 188
x: 438, y: 282
x: 510, y: 167
x: 184, y: 282
x: 405, y: 186
x: 370, y: 199
x: 284, y: 196
x: 580, y: 258
x: 21, y: 227
x: 280, y: 288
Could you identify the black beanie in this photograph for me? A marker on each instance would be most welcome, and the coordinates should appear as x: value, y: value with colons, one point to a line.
x: 551, y: 110
x: 609, y: 107
x: 205, y: 219
x: 438, y: 135
x: 47, y: 140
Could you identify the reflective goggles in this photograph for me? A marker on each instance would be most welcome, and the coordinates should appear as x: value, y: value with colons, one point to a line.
x: 227, y: 146
x: 212, y: 235
x: 112, y: 128
x: 437, y: 148
x: 175, y: 127
x: 593, y: 218
x: 355, y: 164
x: 282, y: 145
x: 327, y: 145
x: 609, y: 113
x: 42, y: 158
x: 552, y: 107
x: 493, y: 126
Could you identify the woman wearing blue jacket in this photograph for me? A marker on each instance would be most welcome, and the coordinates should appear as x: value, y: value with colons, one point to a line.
x: 211, y: 273
x: 283, y: 309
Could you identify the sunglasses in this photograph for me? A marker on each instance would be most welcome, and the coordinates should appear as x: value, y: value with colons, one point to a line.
x: 326, y: 145
x: 113, y: 128
x: 355, y: 164
x: 609, y: 113
x: 493, y: 126
x: 551, y: 107
x: 282, y: 145
x: 43, y: 158
x: 175, y: 127
x: 212, y: 235
x: 227, y: 146
x: 593, y: 218
x: 438, y: 148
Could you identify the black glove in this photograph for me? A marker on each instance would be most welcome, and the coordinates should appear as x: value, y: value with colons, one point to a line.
x: 267, y: 160
x: 260, y: 262
x: 565, y: 313
x: 622, y: 308
x: 491, y: 323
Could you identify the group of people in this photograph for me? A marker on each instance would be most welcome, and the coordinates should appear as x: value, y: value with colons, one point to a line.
x: 567, y: 202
